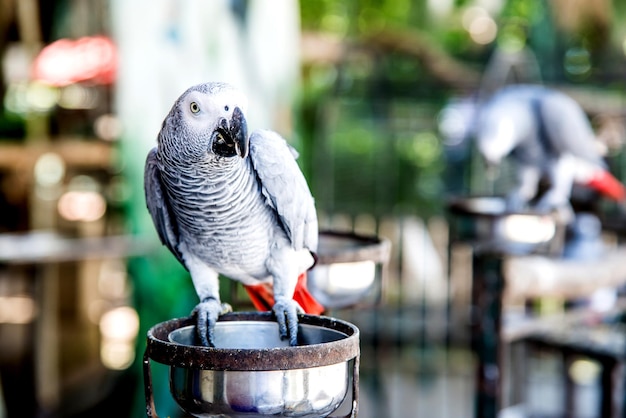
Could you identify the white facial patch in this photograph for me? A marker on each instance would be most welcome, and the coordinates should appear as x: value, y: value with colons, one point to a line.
x: 201, y: 109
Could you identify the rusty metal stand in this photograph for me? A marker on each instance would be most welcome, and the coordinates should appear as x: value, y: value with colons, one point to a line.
x: 486, y: 314
x: 479, y: 221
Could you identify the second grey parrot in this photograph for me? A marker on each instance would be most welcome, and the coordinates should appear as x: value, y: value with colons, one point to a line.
x: 548, y: 135
x: 227, y: 203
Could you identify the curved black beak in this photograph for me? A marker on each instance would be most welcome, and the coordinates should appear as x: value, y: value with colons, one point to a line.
x: 239, y: 133
x: 231, y: 137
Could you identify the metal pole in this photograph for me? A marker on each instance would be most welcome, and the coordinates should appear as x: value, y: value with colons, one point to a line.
x: 488, y: 285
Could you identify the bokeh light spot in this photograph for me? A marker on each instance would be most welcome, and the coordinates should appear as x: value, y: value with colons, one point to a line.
x: 108, y: 127
x: 49, y: 169
x: 17, y: 309
x: 577, y: 63
x: 119, y: 328
x: 483, y: 30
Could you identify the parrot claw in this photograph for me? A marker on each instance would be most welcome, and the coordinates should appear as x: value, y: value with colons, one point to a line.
x: 208, y: 311
x: 286, y: 312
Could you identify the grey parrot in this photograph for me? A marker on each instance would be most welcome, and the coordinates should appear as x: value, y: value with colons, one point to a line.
x: 548, y: 135
x: 227, y: 203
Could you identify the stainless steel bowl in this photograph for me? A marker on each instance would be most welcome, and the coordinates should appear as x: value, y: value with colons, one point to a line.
x: 350, y: 269
x: 486, y: 222
x: 252, y: 372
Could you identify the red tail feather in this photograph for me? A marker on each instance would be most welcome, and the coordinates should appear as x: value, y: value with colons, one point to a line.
x: 605, y: 183
x: 262, y: 296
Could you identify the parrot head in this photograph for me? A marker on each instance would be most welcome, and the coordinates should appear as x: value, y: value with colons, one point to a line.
x: 207, y: 120
x: 502, y: 126
x: 497, y: 137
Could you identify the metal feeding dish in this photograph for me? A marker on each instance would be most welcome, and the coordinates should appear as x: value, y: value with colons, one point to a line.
x: 252, y: 372
x: 486, y: 222
x: 349, y: 269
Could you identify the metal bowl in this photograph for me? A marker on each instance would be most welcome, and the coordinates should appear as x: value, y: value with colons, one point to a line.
x: 349, y: 270
x: 486, y: 222
x: 252, y: 372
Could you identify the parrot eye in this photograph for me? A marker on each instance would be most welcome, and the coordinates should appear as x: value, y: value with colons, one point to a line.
x: 195, y: 108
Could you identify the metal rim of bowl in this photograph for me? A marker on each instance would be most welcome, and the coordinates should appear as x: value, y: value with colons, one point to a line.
x: 161, y: 350
x: 474, y: 205
x: 371, y: 248
x: 479, y: 206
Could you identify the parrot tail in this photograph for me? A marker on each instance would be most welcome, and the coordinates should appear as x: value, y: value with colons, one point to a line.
x: 605, y: 183
x: 262, y: 296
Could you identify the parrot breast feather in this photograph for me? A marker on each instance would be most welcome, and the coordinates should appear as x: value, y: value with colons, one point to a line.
x: 285, y: 188
x: 156, y: 200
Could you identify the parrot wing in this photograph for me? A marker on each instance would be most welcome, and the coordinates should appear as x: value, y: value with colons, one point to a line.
x: 156, y: 200
x: 568, y: 128
x: 285, y: 188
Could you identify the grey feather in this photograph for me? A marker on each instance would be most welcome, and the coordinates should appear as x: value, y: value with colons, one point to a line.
x: 285, y: 188
x: 157, y: 203
x: 548, y: 123
x: 567, y: 127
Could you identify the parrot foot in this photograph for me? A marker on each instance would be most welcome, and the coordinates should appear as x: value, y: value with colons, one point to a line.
x: 551, y: 201
x: 208, y: 311
x: 551, y: 204
x: 286, y: 312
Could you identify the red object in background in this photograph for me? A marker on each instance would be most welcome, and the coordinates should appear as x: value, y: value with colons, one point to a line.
x: 66, y: 61
x: 262, y: 296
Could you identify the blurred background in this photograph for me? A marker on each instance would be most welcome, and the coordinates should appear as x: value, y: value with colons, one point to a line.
x: 370, y: 92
